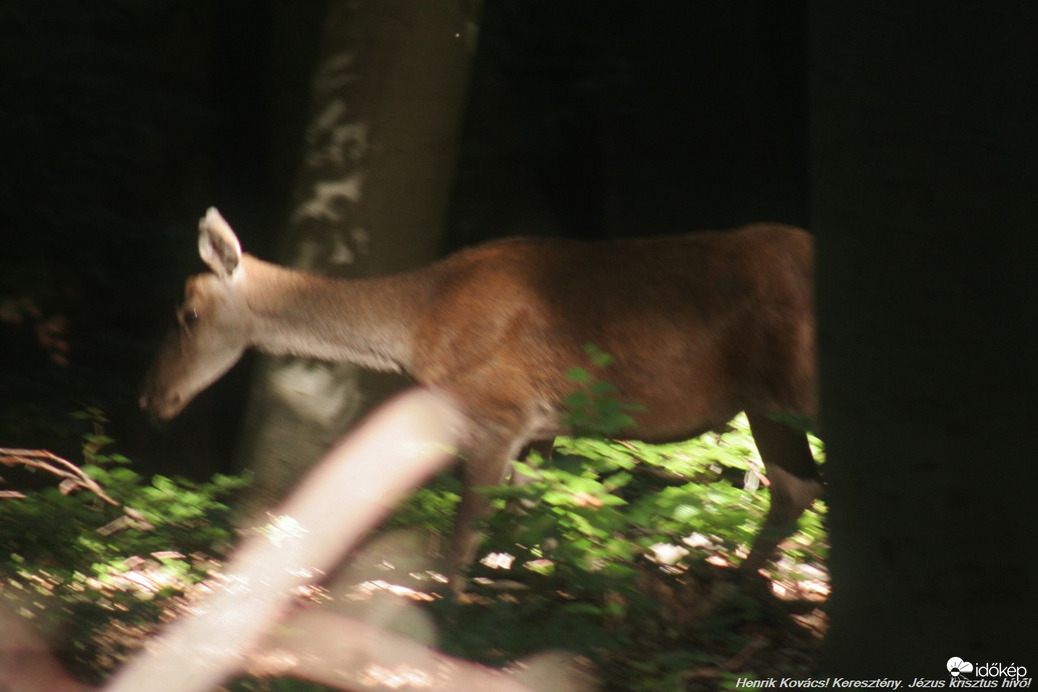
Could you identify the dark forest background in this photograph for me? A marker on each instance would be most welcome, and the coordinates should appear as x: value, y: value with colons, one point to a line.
x: 902, y: 134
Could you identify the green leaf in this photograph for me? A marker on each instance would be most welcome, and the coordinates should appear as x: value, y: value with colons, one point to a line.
x: 599, y: 357
x: 602, y: 389
x: 578, y: 375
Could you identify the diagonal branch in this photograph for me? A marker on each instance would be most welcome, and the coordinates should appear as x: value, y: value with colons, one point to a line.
x: 72, y: 476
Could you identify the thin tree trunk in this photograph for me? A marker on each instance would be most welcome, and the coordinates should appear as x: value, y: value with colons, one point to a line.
x: 371, y: 199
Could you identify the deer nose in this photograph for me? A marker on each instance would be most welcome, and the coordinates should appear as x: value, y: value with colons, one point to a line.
x: 162, y: 407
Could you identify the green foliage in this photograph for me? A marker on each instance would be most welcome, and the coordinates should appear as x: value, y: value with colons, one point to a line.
x: 431, y: 506
x: 599, y: 504
x: 582, y: 525
x: 585, y: 532
x: 78, y: 561
x: 592, y: 409
x: 580, y: 531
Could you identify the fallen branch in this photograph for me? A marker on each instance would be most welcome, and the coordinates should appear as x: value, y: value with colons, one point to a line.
x: 250, y: 622
x: 351, y: 489
x: 73, y: 477
x: 347, y: 654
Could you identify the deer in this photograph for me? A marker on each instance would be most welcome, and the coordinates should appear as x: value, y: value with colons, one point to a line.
x: 700, y: 327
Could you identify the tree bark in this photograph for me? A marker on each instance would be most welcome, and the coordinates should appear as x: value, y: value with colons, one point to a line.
x: 925, y: 209
x: 370, y: 199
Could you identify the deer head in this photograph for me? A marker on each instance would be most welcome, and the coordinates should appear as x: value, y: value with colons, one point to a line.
x: 212, y: 331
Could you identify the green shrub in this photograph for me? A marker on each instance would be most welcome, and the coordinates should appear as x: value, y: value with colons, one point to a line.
x: 101, y: 567
x: 580, y: 529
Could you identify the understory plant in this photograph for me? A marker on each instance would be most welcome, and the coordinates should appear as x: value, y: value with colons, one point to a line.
x: 601, y: 552
x: 96, y: 559
x: 610, y: 541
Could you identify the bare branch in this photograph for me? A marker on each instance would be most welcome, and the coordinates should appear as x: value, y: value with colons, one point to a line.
x: 352, y: 488
x: 348, y: 654
x: 72, y: 476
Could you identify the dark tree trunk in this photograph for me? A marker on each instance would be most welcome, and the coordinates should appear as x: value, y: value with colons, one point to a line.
x: 925, y: 202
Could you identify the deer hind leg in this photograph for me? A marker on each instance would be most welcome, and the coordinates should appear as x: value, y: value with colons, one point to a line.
x: 794, y: 479
x: 486, y: 465
x: 517, y: 479
x: 544, y: 448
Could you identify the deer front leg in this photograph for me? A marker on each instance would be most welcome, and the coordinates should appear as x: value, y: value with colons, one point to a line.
x: 795, y: 483
x: 486, y: 466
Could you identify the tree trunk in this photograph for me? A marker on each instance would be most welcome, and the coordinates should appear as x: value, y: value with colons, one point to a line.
x: 371, y: 199
x: 924, y: 208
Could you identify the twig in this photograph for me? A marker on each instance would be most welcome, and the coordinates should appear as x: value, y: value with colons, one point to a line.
x: 72, y: 475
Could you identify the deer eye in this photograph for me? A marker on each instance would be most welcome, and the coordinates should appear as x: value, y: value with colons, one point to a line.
x: 187, y: 317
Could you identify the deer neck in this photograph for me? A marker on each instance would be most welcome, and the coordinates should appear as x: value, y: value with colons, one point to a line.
x: 366, y: 322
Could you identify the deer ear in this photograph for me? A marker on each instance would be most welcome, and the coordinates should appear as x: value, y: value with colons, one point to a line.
x: 217, y: 244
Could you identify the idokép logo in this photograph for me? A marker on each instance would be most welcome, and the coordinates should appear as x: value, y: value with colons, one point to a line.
x: 987, y: 674
x: 956, y: 666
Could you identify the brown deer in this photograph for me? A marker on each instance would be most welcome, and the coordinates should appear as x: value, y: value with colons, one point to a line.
x: 701, y: 327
